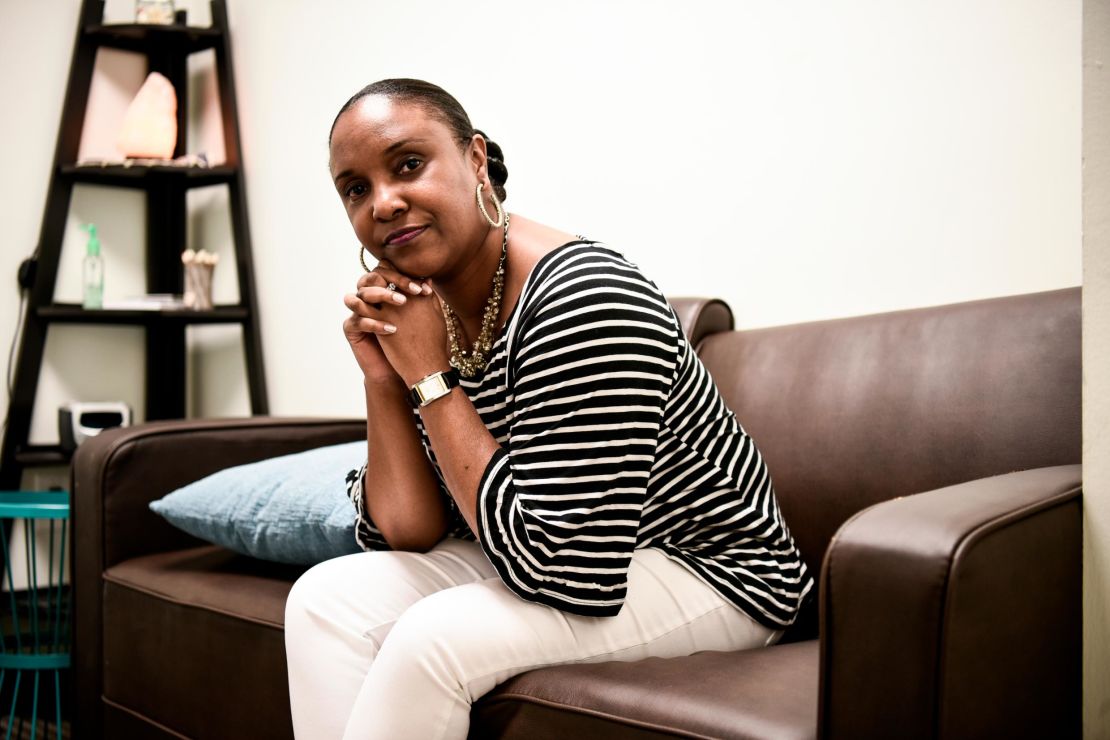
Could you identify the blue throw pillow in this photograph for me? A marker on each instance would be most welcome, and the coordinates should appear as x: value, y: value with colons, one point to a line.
x: 291, y: 509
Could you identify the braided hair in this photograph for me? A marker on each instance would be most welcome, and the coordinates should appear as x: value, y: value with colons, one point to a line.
x: 441, y: 104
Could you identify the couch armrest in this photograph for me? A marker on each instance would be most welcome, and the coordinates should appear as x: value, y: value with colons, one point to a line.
x: 117, y: 473
x: 957, y: 612
x: 701, y: 317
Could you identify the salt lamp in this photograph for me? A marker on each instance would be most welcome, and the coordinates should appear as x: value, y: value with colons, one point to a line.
x: 150, y: 124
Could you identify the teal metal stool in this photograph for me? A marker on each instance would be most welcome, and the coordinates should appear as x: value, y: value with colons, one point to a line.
x: 34, y: 615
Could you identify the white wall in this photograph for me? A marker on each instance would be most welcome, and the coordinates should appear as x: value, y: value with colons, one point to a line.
x: 1096, y: 369
x: 803, y: 160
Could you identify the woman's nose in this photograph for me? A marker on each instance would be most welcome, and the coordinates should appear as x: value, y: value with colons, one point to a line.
x: 388, y: 203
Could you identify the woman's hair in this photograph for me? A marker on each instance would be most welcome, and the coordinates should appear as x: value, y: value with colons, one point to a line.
x: 441, y: 104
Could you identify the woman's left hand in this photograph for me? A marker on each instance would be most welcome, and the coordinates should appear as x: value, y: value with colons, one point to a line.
x: 419, y: 345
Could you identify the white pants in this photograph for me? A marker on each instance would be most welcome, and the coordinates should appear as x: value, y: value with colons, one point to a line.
x: 398, y: 645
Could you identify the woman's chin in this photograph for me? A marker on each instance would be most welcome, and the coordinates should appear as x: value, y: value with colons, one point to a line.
x: 413, y: 263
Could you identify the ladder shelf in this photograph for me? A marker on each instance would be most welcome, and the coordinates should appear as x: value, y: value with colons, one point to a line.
x: 166, y: 49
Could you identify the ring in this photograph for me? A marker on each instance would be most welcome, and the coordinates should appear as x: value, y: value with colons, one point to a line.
x: 392, y: 287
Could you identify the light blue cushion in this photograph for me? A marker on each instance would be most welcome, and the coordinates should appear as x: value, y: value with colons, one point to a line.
x: 291, y: 509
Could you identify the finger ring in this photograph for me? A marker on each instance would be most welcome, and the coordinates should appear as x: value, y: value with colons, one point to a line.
x: 392, y: 287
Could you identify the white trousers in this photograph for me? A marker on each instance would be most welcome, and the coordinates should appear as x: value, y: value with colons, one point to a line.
x: 398, y: 645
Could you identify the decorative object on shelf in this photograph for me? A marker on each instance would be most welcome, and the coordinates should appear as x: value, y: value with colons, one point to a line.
x: 150, y: 124
x: 155, y: 12
x: 79, y: 420
x: 185, y: 161
x: 199, y: 266
x: 92, y: 272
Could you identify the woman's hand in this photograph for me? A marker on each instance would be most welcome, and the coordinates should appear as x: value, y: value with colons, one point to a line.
x: 366, y: 321
x: 398, y: 332
x: 418, y: 346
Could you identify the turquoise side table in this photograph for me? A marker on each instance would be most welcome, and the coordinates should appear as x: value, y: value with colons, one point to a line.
x: 34, y: 612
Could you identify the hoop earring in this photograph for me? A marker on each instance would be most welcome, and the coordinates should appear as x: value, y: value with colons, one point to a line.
x: 362, y: 257
x: 482, y: 207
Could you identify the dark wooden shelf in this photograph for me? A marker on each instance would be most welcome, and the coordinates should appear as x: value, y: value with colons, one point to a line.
x: 142, y: 37
x: 41, y: 455
x: 140, y: 176
x: 167, y: 50
x: 72, y: 313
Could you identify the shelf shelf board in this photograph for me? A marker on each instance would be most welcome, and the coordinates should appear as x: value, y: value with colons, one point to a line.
x: 72, y: 313
x: 139, y: 176
x: 141, y: 37
x: 41, y: 455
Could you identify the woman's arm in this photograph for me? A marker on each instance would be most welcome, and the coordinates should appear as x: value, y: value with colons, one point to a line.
x: 463, y: 448
x: 399, y: 493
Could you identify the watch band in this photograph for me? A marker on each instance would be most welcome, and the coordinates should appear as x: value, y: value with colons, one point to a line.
x: 434, y: 386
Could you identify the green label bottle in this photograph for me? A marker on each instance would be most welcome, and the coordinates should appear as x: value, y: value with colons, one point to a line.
x: 93, y: 272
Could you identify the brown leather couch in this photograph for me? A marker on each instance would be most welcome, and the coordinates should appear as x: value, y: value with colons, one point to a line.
x: 926, y: 461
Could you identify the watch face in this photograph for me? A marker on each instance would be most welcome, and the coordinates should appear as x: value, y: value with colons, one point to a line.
x: 430, y: 388
x: 433, y: 387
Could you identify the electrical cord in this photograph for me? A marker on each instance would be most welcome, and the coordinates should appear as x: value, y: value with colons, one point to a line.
x: 26, y: 279
x: 15, y: 338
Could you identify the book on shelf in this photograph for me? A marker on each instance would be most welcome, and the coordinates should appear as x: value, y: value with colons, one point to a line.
x: 147, y: 302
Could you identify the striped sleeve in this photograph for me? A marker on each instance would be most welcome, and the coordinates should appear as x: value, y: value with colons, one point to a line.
x: 366, y: 534
x: 591, y: 362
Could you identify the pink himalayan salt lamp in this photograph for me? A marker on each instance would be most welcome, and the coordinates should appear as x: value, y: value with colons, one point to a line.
x: 150, y: 125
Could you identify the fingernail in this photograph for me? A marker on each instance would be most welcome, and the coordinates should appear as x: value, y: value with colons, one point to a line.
x: 415, y: 288
x: 399, y: 298
x: 427, y: 289
x: 389, y: 328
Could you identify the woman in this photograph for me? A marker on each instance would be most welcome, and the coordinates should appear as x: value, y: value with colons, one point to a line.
x: 552, y: 476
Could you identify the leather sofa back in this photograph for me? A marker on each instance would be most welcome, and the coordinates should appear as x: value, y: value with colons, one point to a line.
x: 851, y: 412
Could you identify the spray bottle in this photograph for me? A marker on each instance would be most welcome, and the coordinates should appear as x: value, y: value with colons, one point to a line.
x: 93, y: 272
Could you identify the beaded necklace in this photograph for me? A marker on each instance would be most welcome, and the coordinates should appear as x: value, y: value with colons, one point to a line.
x: 470, y: 363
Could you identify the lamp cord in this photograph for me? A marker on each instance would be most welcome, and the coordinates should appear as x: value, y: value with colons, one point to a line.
x: 11, y: 356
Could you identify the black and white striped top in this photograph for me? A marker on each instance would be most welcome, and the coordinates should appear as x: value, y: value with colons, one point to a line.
x: 613, y: 437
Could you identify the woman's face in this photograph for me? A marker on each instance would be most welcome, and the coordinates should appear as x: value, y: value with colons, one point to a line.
x: 407, y: 186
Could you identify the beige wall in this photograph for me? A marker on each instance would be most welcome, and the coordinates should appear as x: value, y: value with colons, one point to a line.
x: 1096, y: 368
x: 803, y: 160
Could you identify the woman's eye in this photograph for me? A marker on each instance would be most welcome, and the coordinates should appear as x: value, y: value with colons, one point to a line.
x: 355, y: 190
x: 410, y: 164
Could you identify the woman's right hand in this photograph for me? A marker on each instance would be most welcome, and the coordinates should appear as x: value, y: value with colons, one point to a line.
x: 365, y: 322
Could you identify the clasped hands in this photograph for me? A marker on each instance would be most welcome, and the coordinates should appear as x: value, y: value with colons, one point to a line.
x: 395, y: 333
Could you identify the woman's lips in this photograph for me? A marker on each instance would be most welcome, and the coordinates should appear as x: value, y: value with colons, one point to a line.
x: 403, y: 236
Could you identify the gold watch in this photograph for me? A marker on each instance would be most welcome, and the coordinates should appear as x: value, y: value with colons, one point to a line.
x: 434, y: 386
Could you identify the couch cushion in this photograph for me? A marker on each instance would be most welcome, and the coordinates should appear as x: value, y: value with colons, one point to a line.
x: 186, y: 627
x: 289, y: 509
x: 766, y: 693
x: 193, y: 640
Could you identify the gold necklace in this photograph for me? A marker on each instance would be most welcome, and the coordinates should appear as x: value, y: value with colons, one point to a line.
x: 470, y: 363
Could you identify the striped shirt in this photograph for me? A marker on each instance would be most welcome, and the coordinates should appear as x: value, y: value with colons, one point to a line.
x: 613, y: 437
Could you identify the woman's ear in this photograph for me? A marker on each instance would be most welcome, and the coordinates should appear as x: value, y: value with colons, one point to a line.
x: 477, y: 154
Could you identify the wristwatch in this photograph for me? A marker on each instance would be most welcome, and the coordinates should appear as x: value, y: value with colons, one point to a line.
x: 436, y: 385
